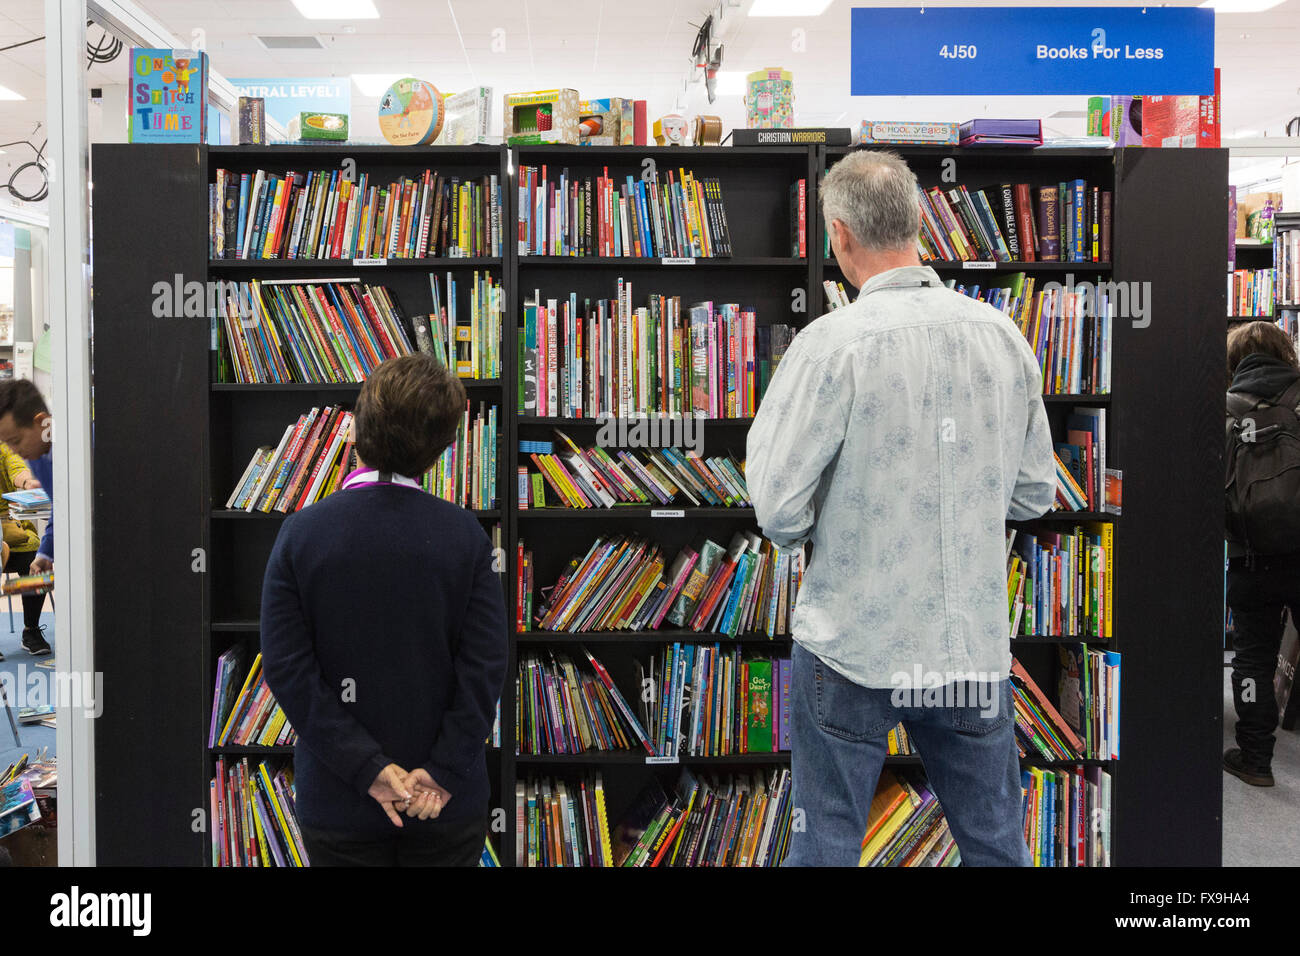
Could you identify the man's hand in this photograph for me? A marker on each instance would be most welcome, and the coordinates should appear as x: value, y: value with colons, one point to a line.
x: 41, y: 564
x: 389, y: 790
x: 429, y: 797
x: 28, y: 483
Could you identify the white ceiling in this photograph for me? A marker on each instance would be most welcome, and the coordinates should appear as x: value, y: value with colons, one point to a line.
x: 612, y: 48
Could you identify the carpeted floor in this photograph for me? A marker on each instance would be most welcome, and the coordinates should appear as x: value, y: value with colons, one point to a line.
x: 19, y: 666
x: 1261, y: 825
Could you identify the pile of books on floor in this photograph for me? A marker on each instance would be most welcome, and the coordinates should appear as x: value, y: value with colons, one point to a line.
x: 580, y: 358
x: 700, y: 700
x: 251, y: 716
x: 738, y: 820
x: 560, y: 215
x: 593, y: 478
x: 325, y: 215
x: 255, y: 823
x: 627, y: 583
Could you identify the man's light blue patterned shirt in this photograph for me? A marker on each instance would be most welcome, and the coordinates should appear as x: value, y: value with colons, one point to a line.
x: 898, y: 434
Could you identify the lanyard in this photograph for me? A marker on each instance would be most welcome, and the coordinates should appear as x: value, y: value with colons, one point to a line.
x: 366, y: 479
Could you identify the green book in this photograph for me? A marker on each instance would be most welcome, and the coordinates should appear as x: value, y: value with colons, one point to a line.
x: 539, y: 490
x: 759, y: 731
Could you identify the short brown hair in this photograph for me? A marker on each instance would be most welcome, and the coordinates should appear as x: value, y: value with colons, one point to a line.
x: 1258, y: 337
x: 407, y: 414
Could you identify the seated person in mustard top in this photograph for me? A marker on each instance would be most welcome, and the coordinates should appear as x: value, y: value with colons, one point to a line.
x: 384, y: 640
x: 21, y: 542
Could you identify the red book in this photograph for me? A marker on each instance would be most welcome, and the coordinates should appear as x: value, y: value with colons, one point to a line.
x: 322, y: 447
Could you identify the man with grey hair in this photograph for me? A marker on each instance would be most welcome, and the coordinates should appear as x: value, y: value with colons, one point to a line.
x: 899, y: 434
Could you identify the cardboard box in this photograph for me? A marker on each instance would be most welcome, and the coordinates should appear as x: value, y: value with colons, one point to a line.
x: 600, y: 122
x: 909, y: 133
x: 543, y: 116
x: 1182, y: 121
x: 1248, y: 205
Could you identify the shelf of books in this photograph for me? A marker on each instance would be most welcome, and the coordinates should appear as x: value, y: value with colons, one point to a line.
x: 616, y: 315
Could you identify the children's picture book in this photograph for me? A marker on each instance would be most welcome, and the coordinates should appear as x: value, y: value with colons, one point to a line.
x: 17, y: 806
x: 169, y: 96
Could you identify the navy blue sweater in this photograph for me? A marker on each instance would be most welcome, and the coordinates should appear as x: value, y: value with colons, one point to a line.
x: 384, y: 640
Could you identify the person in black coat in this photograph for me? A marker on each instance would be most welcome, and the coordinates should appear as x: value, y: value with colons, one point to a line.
x: 1261, y: 366
x: 384, y: 640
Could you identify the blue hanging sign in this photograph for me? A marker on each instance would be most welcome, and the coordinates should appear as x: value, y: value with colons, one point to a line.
x: 1017, y: 51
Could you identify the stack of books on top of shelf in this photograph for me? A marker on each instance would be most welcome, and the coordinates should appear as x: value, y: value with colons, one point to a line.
x: 906, y: 826
x: 1251, y: 292
x: 705, y: 701
x: 251, y: 718
x: 562, y: 708
x: 609, y: 358
x: 323, y: 215
x: 683, y: 217
x: 592, y: 478
x: 307, y: 331
x: 254, y: 819
x: 627, y: 583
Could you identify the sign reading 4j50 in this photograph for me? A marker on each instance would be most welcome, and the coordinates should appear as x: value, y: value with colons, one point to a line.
x: 1028, y: 50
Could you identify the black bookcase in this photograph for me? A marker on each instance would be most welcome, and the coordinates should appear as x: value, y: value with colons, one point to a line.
x: 178, y: 442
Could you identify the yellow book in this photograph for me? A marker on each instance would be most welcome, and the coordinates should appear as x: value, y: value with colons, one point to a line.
x: 235, y: 709
x: 273, y: 726
x: 562, y: 482
x: 890, y: 824
x: 257, y: 823
x: 274, y: 800
x: 1106, y: 531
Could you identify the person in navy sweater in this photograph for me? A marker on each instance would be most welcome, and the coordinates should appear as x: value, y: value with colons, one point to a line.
x: 27, y: 427
x: 384, y: 639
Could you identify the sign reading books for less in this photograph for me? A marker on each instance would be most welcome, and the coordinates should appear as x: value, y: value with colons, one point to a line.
x: 1029, y: 50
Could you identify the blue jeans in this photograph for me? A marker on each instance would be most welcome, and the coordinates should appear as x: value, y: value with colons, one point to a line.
x: 838, y: 744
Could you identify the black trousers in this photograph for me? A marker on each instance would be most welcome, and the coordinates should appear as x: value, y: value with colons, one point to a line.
x: 432, y: 843
x: 20, y: 562
x: 1257, y: 596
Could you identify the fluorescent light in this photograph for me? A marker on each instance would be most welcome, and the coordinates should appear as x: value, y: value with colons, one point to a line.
x: 337, y: 9
x: 375, y: 84
x: 788, y: 8
x: 8, y: 94
x: 730, y: 83
x: 1239, y: 6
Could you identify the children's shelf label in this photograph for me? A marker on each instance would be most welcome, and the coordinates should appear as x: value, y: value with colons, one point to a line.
x: 658, y: 760
x: 370, y: 262
x: 979, y: 265
x: 667, y: 513
x: 677, y: 261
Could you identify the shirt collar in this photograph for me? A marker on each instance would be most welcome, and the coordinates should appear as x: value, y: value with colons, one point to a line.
x: 904, y: 277
x: 371, y: 476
